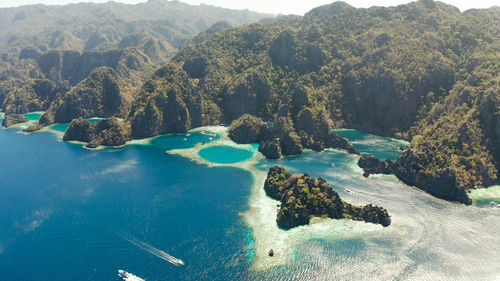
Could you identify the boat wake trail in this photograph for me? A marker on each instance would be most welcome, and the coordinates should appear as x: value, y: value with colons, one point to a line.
x: 126, y: 276
x: 150, y: 249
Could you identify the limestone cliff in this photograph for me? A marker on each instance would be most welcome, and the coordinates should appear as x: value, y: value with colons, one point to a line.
x: 107, y: 132
x: 99, y: 95
x: 12, y: 119
x: 168, y: 103
x: 303, y: 197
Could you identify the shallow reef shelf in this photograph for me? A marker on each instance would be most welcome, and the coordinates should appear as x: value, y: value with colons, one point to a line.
x: 484, y: 196
x: 260, y: 216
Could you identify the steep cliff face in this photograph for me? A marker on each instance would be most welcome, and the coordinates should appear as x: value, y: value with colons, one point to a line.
x: 99, y: 95
x: 107, y: 132
x: 281, y: 138
x: 271, y: 149
x: 93, y: 27
x: 443, y: 183
x: 341, y: 66
x: 37, y: 80
x: 31, y: 95
x: 372, y: 165
x: 246, y: 129
x: 78, y: 130
x: 168, y: 103
x: 289, y: 139
x: 373, y: 101
x: 303, y: 197
x: 73, y: 66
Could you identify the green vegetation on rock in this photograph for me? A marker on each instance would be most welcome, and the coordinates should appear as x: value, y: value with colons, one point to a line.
x: 12, y: 119
x: 303, y: 197
x: 107, y: 132
x: 422, y: 71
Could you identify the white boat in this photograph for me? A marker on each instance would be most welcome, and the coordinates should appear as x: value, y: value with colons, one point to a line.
x: 188, y: 135
x: 348, y: 190
x: 178, y: 262
x: 128, y: 276
x: 185, y: 139
x: 492, y: 204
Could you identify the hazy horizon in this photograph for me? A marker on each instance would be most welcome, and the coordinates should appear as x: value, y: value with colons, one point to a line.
x: 267, y: 6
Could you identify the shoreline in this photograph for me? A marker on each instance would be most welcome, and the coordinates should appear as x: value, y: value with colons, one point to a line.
x: 260, y: 216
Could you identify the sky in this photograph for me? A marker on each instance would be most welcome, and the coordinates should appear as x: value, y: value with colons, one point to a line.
x: 271, y: 6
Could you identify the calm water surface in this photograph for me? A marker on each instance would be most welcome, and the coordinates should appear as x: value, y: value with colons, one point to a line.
x: 64, y: 212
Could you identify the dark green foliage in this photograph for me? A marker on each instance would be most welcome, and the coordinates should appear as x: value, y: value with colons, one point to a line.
x: 303, y: 197
x: 421, y: 71
x: 97, y: 96
x: 271, y: 149
x: 246, y: 129
x: 32, y: 95
x: 107, y: 132
x: 64, y: 44
x: 12, y: 119
x: 372, y: 165
x: 96, y: 27
x: 167, y: 103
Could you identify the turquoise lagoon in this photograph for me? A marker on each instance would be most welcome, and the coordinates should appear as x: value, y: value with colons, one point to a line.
x: 64, y: 211
x: 368, y: 144
x: 34, y: 116
x: 224, y: 154
x: 62, y: 127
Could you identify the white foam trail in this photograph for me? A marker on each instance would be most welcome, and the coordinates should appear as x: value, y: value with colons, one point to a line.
x: 150, y: 249
x: 127, y: 276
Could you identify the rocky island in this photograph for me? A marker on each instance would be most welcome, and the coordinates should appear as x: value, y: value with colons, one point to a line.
x: 282, y: 138
x: 12, y: 119
x: 303, y: 197
x: 107, y: 132
x: 287, y: 83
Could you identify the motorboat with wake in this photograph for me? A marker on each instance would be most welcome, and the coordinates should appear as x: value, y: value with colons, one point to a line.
x: 126, y: 276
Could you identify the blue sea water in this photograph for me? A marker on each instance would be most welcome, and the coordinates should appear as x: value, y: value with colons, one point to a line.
x: 368, y: 144
x: 34, y: 116
x: 65, y: 211
x: 62, y: 209
x: 169, y: 142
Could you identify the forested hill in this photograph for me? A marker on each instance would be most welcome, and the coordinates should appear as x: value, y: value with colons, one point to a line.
x: 47, y: 50
x: 423, y: 71
x: 97, y: 27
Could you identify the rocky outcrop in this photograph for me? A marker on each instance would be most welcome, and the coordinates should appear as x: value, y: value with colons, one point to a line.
x: 282, y: 138
x: 12, y: 119
x: 441, y: 183
x: 282, y: 48
x: 372, y: 165
x: 33, y: 128
x: 99, y: 95
x: 29, y: 96
x: 338, y: 142
x: 246, y: 129
x: 271, y: 149
x: 303, y: 197
x: 107, y: 132
x: 289, y: 139
x: 73, y: 66
x: 168, y: 103
x: 78, y: 130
